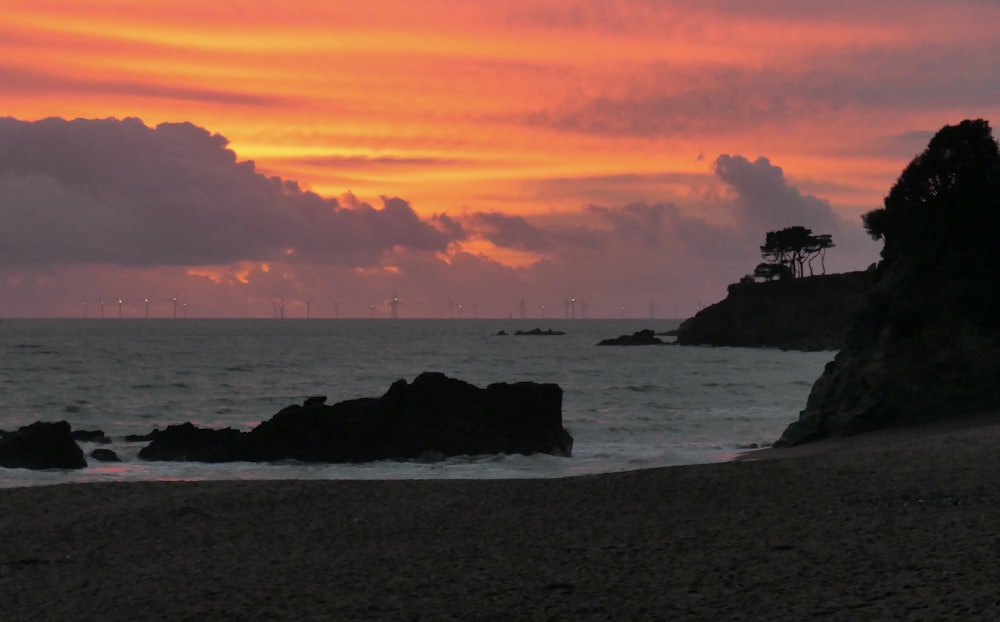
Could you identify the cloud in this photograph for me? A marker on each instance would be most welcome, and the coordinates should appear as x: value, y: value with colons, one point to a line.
x: 669, y: 250
x: 365, y: 162
x: 666, y: 99
x: 763, y: 198
x: 118, y: 192
x: 96, y: 210
x: 516, y: 232
x: 35, y: 81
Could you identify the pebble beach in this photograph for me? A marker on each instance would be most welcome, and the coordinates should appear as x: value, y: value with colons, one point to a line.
x: 896, y: 525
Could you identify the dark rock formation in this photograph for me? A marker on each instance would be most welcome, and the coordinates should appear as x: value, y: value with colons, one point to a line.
x: 927, y: 344
x: 644, y: 337
x: 538, y: 332
x: 104, y: 455
x: 432, y: 416
x: 41, y: 445
x: 141, y: 438
x: 90, y: 436
x: 187, y: 442
x: 810, y: 313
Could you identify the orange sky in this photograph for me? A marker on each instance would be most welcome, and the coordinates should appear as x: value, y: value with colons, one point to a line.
x: 536, y: 109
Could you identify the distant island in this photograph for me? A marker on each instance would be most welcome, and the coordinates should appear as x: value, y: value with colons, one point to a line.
x: 534, y: 332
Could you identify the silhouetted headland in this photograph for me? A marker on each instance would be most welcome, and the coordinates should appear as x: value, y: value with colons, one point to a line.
x: 926, y: 344
x: 809, y: 313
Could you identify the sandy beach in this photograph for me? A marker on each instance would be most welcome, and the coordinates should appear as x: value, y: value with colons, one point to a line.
x: 899, y: 526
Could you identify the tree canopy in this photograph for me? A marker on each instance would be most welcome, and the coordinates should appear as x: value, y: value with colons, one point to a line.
x: 946, y: 201
x: 789, y: 251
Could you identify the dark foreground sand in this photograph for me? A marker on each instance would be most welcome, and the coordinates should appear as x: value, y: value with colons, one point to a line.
x: 898, y: 527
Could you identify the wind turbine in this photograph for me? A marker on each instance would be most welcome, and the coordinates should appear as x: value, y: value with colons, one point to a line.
x: 371, y: 308
x: 308, y: 302
x: 146, y: 300
x: 394, y: 307
x: 570, y: 303
x: 121, y: 301
x: 102, y: 308
x: 84, y: 308
x: 521, y: 306
x: 174, y: 300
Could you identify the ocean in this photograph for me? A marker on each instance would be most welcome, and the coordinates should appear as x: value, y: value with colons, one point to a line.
x: 626, y: 407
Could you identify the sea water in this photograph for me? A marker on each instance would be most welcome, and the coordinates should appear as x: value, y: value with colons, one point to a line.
x: 626, y: 407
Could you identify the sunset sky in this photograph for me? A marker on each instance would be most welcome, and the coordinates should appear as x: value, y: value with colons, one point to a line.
x: 628, y: 154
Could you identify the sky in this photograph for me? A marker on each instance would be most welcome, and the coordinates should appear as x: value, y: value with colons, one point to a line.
x: 466, y: 159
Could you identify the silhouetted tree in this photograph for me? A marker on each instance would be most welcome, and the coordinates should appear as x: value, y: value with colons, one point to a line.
x: 823, y: 242
x: 790, y: 250
x: 945, y: 203
x: 771, y: 271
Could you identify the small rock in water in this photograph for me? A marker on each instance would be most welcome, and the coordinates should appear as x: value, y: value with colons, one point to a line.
x: 104, y: 455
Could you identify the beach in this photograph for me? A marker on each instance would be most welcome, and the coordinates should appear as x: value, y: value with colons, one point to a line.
x: 899, y: 525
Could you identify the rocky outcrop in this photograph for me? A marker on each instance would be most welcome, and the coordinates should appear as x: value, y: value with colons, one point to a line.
x: 927, y: 343
x: 188, y: 443
x: 810, y: 313
x: 432, y: 417
x: 538, y: 332
x: 644, y: 337
x: 41, y: 445
x: 90, y: 436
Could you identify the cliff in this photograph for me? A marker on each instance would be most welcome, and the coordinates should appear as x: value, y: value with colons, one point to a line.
x: 926, y: 345
x: 810, y: 313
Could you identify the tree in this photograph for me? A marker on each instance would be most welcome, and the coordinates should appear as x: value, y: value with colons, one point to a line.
x: 945, y: 201
x: 823, y: 242
x: 771, y: 271
x: 790, y: 250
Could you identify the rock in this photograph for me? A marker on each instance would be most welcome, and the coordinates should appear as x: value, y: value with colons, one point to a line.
x: 645, y: 337
x: 141, y: 438
x: 90, y: 436
x: 315, y: 400
x: 434, y: 416
x: 104, y: 455
x: 538, y: 332
x: 41, y: 445
x: 189, y: 443
x: 810, y: 313
x: 926, y: 345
